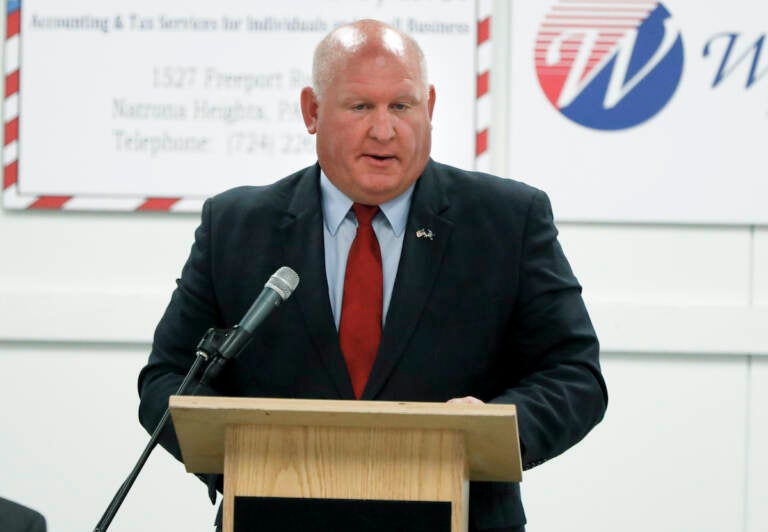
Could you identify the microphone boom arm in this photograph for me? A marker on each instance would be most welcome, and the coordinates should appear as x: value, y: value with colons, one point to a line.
x: 217, y: 346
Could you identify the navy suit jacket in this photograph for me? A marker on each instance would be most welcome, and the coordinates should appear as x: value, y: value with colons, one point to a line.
x: 17, y: 518
x: 487, y: 307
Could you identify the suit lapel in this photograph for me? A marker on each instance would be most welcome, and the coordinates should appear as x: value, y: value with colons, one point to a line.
x: 419, y: 265
x: 302, y: 231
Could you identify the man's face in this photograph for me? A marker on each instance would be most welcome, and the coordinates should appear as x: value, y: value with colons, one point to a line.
x: 373, y: 124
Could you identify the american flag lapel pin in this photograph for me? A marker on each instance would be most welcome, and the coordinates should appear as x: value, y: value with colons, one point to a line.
x: 425, y: 233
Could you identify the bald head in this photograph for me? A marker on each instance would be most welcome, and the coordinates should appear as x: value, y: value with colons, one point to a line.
x: 361, y: 37
x: 371, y: 111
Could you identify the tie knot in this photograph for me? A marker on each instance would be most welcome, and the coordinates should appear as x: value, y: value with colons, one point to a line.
x: 365, y: 213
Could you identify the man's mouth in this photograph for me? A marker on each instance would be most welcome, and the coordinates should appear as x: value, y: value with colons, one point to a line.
x: 379, y: 157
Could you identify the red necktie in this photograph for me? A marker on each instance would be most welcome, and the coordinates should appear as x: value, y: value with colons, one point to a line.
x: 361, y: 307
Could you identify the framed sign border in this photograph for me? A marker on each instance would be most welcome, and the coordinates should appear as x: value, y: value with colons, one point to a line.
x: 13, y: 199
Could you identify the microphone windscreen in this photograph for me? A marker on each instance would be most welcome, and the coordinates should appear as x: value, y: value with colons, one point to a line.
x: 284, y: 281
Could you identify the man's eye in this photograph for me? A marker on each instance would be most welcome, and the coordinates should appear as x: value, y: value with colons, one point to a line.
x: 359, y: 107
x: 399, y: 106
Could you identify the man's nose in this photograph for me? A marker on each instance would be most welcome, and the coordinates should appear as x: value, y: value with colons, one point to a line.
x: 382, y: 124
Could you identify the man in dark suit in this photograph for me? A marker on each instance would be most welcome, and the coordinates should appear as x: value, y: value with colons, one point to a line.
x: 476, y: 301
x: 17, y: 518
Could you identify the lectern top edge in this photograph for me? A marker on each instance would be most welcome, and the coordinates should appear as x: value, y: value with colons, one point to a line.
x: 331, y: 406
x: 490, y: 430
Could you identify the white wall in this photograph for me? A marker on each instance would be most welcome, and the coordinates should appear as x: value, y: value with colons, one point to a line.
x: 670, y: 455
x: 70, y: 438
x: 679, y: 309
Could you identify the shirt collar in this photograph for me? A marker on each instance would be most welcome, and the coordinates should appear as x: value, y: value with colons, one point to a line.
x: 336, y: 205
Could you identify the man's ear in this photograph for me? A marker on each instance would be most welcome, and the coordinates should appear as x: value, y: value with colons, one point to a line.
x: 309, y: 106
x: 431, y: 100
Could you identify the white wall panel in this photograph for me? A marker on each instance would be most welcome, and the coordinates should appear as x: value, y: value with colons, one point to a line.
x: 88, y: 277
x: 757, y: 464
x: 71, y: 435
x: 665, y: 288
x: 90, y: 249
x: 660, y: 264
x: 680, y: 328
x: 53, y: 313
x: 760, y: 271
x: 668, y: 457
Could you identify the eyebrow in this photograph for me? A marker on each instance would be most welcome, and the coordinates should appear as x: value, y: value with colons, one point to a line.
x: 411, y: 98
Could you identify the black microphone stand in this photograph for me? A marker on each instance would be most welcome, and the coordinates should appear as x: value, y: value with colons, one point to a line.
x: 207, y: 349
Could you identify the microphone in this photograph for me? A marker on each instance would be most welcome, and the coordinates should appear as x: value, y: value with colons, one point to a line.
x: 277, y: 289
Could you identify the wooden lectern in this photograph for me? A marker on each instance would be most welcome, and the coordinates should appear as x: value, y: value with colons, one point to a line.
x: 329, y: 452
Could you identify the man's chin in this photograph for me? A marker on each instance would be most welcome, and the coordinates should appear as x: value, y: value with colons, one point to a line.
x: 375, y: 189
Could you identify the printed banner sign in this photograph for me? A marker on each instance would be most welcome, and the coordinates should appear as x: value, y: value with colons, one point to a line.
x: 117, y: 104
x: 642, y: 111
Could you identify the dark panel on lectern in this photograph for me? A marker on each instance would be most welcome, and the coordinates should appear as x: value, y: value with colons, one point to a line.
x: 284, y: 514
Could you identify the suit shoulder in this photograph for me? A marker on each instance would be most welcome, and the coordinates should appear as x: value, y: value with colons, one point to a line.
x: 486, y: 188
x: 269, y: 198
